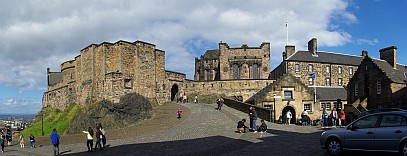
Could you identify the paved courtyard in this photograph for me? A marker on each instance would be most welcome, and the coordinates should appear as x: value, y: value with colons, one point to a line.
x: 203, y: 130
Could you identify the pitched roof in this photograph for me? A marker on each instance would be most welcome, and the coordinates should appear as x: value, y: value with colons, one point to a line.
x: 326, y: 57
x: 54, y: 78
x: 397, y: 75
x: 330, y: 93
x: 211, y: 54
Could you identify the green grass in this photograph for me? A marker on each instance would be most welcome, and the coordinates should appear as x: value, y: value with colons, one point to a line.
x: 53, y: 118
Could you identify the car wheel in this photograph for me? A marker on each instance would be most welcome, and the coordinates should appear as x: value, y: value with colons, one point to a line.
x: 334, y: 147
x: 403, y: 148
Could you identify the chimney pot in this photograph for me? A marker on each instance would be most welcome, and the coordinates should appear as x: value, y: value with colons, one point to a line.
x: 364, y: 53
x: 312, y: 46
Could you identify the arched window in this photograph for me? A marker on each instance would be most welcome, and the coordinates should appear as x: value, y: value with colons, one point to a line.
x: 235, y: 71
x: 255, y: 71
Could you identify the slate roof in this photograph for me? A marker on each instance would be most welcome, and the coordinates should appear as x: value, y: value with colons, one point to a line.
x: 54, y: 78
x: 395, y: 75
x: 211, y: 54
x: 326, y: 57
x: 330, y: 93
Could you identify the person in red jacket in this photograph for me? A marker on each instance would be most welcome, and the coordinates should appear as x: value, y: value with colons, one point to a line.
x: 179, y: 113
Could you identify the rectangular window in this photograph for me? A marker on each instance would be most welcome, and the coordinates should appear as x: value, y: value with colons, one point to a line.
x: 297, y: 67
x: 327, y: 82
x: 310, y: 68
x: 340, y: 70
x: 328, y: 69
x: 356, y: 89
x: 379, y: 87
x: 288, y: 94
x: 326, y: 106
x: 310, y: 81
x: 128, y: 84
x: 340, y: 83
x: 350, y: 71
x: 307, y: 107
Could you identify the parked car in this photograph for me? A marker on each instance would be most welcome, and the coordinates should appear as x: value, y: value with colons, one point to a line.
x: 380, y: 110
x: 383, y: 131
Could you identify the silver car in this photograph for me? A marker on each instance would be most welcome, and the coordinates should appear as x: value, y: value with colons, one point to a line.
x: 385, y: 131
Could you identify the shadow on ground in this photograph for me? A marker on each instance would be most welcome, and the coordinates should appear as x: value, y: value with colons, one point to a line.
x: 215, y: 145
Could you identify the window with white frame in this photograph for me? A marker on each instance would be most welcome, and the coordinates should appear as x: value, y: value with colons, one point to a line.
x: 327, y: 69
x: 327, y: 82
x: 356, y: 89
x: 340, y: 70
x: 340, y: 83
x: 307, y: 107
x: 297, y: 67
x: 350, y: 70
x: 310, y: 68
x: 378, y: 87
x: 326, y: 105
x: 310, y: 81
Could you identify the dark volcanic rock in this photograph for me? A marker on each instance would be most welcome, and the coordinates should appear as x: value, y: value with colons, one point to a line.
x: 132, y: 108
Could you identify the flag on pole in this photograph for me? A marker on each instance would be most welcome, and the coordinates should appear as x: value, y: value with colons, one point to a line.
x: 312, y: 75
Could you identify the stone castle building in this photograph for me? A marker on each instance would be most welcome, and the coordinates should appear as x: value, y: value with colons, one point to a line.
x: 379, y: 83
x: 111, y: 70
x: 228, y: 63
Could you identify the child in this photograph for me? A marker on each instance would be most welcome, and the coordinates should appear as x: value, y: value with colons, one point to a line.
x: 21, y: 140
x: 179, y: 113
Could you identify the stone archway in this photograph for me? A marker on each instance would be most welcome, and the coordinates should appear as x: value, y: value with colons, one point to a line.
x: 285, y: 110
x: 174, y: 91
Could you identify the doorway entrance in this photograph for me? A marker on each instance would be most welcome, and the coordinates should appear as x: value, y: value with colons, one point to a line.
x: 174, y: 91
x: 292, y: 110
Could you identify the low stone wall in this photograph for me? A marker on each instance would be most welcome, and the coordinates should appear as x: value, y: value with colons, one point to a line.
x: 262, y: 113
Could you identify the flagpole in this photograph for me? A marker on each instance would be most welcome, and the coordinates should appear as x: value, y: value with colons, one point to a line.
x: 286, y: 29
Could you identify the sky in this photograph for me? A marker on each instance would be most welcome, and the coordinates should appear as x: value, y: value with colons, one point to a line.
x: 37, y: 34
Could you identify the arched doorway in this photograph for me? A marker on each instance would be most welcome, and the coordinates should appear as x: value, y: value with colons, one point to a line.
x: 285, y: 110
x: 174, y: 91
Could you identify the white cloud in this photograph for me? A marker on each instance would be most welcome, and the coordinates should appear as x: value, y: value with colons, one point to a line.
x: 19, y: 105
x: 36, y: 36
x: 361, y: 41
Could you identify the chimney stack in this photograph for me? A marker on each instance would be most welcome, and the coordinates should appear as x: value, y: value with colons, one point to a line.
x: 389, y: 54
x: 364, y: 53
x: 289, y: 50
x: 312, y: 46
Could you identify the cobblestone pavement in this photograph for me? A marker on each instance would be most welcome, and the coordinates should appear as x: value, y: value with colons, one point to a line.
x: 203, y: 130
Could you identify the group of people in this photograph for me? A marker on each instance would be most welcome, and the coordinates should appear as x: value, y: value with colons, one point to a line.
x: 100, y: 138
x: 336, y: 118
x: 242, y: 128
x: 8, y: 137
x: 182, y: 98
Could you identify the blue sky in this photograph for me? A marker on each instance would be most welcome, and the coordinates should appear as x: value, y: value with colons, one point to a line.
x: 40, y: 34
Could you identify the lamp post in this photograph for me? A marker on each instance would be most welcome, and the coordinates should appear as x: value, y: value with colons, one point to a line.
x: 274, y: 108
x: 42, y: 123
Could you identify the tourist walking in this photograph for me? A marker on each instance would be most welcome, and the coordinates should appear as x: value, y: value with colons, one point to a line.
x: 179, y: 113
x: 253, y: 118
x: 32, y: 141
x: 220, y: 102
x: 341, y: 118
x: 21, y: 140
x: 98, y: 138
x: 196, y: 99
x: 324, y: 116
x: 103, y: 135
x: 2, y: 140
x: 9, y: 137
x: 89, y: 139
x: 55, y: 141
x: 288, y: 116
x: 334, y: 116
